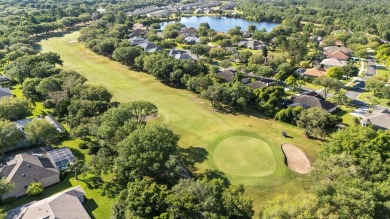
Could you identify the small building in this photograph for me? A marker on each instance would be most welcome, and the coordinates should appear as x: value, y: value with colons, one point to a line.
x: 245, y: 34
x: 66, y: 204
x: 258, y: 84
x: 26, y: 168
x: 332, y: 62
x: 315, y: 72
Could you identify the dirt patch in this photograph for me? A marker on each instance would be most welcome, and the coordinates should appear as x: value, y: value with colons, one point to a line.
x: 151, y: 117
x: 73, y: 41
x: 295, y: 159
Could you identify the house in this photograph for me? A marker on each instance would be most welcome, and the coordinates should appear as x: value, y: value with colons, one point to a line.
x: 64, y: 205
x: 228, y: 6
x: 137, y: 41
x: 137, y: 33
x: 309, y: 100
x: 22, y: 123
x: 4, y: 81
x: 258, y: 84
x: 251, y: 44
x: 228, y: 75
x: 102, y: 11
x: 245, y: 34
x: 335, y: 48
x: 315, y: 72
x: 5, y: 93
x: 332, y: 62
x: 242, y: 43
x: 140, y: 26
x: 180, y: 54
x: 26, y: 168
x: 192, y: 39
x: 379, y: 119
x: 149, y: 47
x: 337, y: 54
x: 300, y: 71
x: 160, y: 14
x: 188, y: 32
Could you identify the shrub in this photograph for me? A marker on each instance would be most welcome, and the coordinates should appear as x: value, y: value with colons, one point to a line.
x: 34, y: 189
x: 83, y: 145
x: 93, y: 149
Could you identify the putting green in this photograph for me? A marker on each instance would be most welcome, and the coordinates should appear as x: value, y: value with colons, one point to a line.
x: 244, y: 156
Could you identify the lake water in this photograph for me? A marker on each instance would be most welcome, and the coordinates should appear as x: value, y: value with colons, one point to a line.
x: 221, y: 24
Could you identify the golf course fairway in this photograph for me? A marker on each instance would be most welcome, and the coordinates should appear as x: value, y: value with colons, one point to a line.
x: 196, y: 122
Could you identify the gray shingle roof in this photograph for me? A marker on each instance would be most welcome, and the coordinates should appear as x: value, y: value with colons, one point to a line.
x: 23, y: 169
x: 5, y: 92
x: 63, y: 205
x: 308, y: 101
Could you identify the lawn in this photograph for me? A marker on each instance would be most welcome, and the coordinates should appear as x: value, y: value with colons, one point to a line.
x: 368, y: 96
x: 197, y: 123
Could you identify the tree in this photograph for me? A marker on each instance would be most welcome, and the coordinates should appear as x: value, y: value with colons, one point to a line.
x: 40, y: 131
x: 14, y: 108
x: 199, y: 50
x: 375, y: 84
x: 141, y: 199
x: 235, y: 39
x: 350, y: 70
x: 77, y: 167
x: 18, y: 70
x: 144, y: 153
x: 208, y: 198
x: 126, y: 55
x: 328, y: 84
x: 35, y: 189
x: 335, y: 72
x: 10, y: 135
x: 256, y: 58
x: 313, y: 120
x: 291, y: 81
x: 141, y: 109
x: 5, y: 186
x: 43, y: 69
x: 252, y: 28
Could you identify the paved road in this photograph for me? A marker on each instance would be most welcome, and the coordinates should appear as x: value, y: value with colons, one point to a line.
x: 370, y: 71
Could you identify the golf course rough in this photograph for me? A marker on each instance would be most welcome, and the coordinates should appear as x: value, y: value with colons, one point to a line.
x: 244, y: 156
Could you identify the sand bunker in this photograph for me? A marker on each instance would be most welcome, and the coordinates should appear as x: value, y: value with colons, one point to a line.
x: 295, y: 159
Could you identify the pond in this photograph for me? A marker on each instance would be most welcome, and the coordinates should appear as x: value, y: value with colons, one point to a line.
x: 222, y: 24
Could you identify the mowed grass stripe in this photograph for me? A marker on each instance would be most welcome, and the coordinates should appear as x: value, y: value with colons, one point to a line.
x: 189, y: 116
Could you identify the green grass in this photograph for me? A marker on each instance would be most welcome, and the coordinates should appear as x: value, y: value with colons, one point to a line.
x: 197, y: 123
x: 244, y: 156
x: 383, y: 73
x: 368, y: 96
x: 344, y: 113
